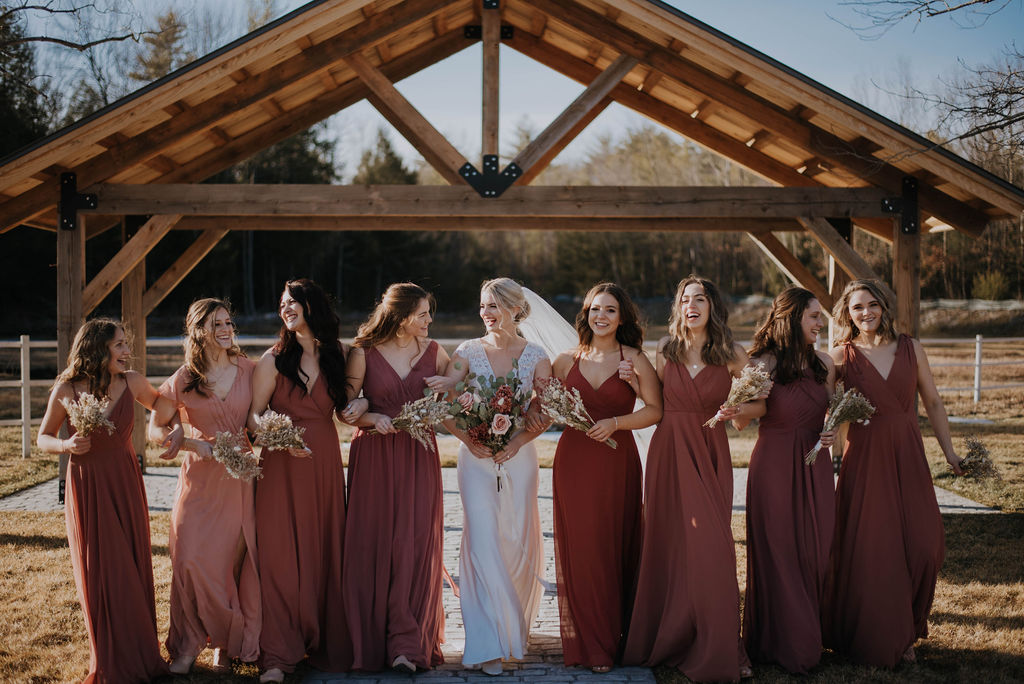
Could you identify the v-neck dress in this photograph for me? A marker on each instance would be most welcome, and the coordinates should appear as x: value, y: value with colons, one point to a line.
x: 300, y: 532
x: 686, y: 613
x: 889, y: 540
x: 393, y: 568
x: 212, y: 511
x: 598, y: 498
x: 790, y: 516
x: 108, y: 537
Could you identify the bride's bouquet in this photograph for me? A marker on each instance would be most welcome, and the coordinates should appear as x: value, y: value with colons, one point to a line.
x: 754, y: 381
x: 419, y: 418
x: 492, y: 408
x: 565, y: 405
x: 86, y: 414
x: 843, y: 407
x: 232, y: 450
x: 276, y: 431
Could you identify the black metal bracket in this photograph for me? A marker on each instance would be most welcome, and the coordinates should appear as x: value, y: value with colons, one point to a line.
x: 71, y: 201
x: 491, y: 183
x: 61, y: 488
x: 906, y: 206
x: 476, y: 32
x: 490, y: 4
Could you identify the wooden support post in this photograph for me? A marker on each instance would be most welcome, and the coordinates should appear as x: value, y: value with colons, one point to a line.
x: 128, y: 257
x: 26, y: 396
x: 134, y: 319
x: 491, y: 22
x: 434, y: 147
x: 792, y: 268
x: 906, y: 279
x: 70, y: 279
x: 837, y: 277
x: 184, y: 264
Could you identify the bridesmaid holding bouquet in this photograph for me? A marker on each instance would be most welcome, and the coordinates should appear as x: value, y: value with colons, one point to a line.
x: 215, y: 591
x: 300, y: 501
x: 393, y: 568
x: 105, y: 508
x: 598, y: 490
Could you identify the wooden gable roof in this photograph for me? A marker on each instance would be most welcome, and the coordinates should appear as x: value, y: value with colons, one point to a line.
x: 668, y: 66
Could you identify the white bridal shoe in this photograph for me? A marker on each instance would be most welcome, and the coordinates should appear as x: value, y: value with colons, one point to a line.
x: 274, y: 674
x: 492, y: 667
x: 403, y: 664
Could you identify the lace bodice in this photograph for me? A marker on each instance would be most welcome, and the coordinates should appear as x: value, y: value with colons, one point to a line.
x: 473, y: 351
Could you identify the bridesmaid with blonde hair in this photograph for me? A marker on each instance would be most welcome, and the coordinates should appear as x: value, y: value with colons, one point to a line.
x: 105, y: 508
x: 215, y: 592
x: 889, y: 541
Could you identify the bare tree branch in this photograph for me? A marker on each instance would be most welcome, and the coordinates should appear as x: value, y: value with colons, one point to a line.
x: 879, y: 16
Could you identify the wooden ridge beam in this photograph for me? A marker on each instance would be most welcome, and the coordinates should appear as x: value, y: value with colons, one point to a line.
x: 461, y: 200
x: 427, y: 140
x: 299, y: 119
x: 577, y: 111
x: 793, y: 269
x: 463, y: 223
x: 766, y: 114
x: 260, y: 87
x: 126, y: 259
x: 181, y: 267
x: 681, y: 122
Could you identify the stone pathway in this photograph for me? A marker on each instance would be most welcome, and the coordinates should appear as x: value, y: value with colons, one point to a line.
x: 544, y: 663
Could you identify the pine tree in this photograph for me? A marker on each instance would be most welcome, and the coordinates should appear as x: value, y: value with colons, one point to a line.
x: 163, y: 51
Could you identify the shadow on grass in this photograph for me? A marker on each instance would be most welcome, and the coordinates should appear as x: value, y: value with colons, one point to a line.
x: 983, y: 548
x: 995, y: 624
x: 40, y: 541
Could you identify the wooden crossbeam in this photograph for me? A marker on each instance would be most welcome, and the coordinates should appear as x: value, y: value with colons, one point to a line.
x: 182, y: 266
x: 834, y: 244
x: 578, y: 110
x: 421, y: 200
x: 126, y: 259
x: 427, y: 140
x: 668, y: 116
x: 490, y: 20
x: 255, y: 89
x: 461, y: 223
x: 544, y: 161
x: 792, y: 268
x: 772, y: 117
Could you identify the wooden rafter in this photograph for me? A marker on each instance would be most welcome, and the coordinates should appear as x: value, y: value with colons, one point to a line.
x: 255, y: 89
x: 420, y: 200
x: 543, y: 161
x: 126, y: 259
x: 834, y: 244
x: 490, y: 20
x: 792, y: 268
x: 577, y: 111
x: 773, y: 118
x: 184, y: 264
x: 427, y: 140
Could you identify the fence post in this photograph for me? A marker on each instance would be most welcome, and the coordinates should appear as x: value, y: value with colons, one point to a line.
x: 26, y: 398
x: 977, y: 368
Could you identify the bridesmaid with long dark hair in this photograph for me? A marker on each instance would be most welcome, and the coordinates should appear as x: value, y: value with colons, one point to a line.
x: 300, y: 501
x: 598, y: 490
x: 790, y: 505
x: 105, y: 507
x: 889, y: 541
x: 393, y: 566
x: 686, y: 613
x: 215, y: 590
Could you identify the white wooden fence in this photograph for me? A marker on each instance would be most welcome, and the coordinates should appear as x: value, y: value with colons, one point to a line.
x: 25, y: 345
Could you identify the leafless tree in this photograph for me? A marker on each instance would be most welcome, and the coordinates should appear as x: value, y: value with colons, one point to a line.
x: 63, y: 23
x: 876, y: 17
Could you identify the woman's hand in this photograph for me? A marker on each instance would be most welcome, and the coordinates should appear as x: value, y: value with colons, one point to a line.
x: 603, y: 429
x: 76, y: 444
x: 728, y: 412
x: 508, y: 452
x: 536, y: 420
x: 827, y: 439
x: 440, y: 383
x: 173, y: 441
x: 300, y: 452
x: 382, y: 424
x: 354, y: 410
x: 478, y: 450
x: 954, y: 462
x: 199, y: 448
x: 626, y: 372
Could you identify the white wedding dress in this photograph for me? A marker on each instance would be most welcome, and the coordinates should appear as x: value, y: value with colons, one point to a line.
x: 502, y: 559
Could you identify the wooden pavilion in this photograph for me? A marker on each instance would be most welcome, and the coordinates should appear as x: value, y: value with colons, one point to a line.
x: 837, y: 164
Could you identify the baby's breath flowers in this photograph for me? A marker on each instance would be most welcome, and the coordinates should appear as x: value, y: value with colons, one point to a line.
x: 564, y: 405
x: 276, y: 431
x: 419, y: 417
x: 86, y: 414
x: 847, y: 406
x: 232, y: 450
x: 977, y: 463
x: 754, y: 381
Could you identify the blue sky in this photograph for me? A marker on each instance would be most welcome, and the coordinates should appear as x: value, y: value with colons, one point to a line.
x: 798, y: 33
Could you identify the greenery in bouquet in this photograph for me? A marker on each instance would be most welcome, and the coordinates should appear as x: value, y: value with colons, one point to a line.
x: 493, y: 408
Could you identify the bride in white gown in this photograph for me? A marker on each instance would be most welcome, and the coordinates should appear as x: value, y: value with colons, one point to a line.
x: 501, y: 560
